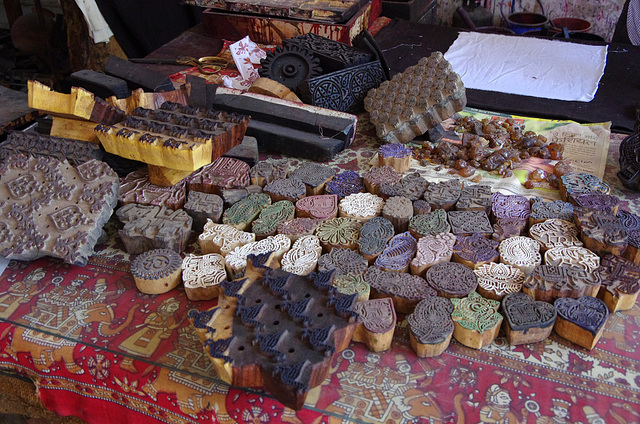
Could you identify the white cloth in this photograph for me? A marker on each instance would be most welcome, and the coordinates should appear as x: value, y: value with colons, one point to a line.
x: 528, y: 66
x: 98, y: 26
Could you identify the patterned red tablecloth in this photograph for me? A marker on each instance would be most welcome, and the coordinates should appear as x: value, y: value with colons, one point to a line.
x: 97, y: 348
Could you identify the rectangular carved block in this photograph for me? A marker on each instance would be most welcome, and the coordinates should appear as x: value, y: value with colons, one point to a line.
x: 75, y: 152
x: 333, y: 55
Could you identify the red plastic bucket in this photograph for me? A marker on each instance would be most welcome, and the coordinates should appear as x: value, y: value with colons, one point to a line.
x: 522, y: 22
x: 571, y: 24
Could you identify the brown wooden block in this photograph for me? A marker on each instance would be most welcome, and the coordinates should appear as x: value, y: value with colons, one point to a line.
x: 153, y: 227
x: 521, y: 252
x: 75, y: 129
x: 631, y: 223
x: 338, y: 232
x: 579, y: 183
x: 298, y: 227
x: 405, y: 290
x: 267, y: 222
x: 376, y: 176
x: 555, y: 233
x: 75, y: 152
x: 527, y: 320
x: 509, y: 206
x: 601, y: 232
x: 344, y: 184
x: 495, y: 281
x: 398, y: 210
x: 202, y: 275
x: 376, y: 324
x: 549, y: 282
x: 166, y: 177
x: 374, y: 235
x: 412, y: 186
x: 203, y: 206
x: 620, y: 279
x: 151, y: 99
x: 303, y: 256
x: 428, y: 224
x: 597, y: 201
x: 542, y: 210
x: 582, y: 320
x: 272, y: 88
x: 242, y: 214
x: 573, y: 256
x: 432, y: 249
x: 476, y: 320
x: 343, y: 261
x: 353, y: 284
x: 398, y: 253
x: 314, y: 176
x: 465, y: 223
x: 361, y: 206
x: 135, y: 187
x: 291, y: 189
x: 223, y: 173
x: 265, y: 172
x: 421, y: 207
x: 157, y: 271
x: 504, y: 228
x: 431, y: 326
x: 475, y: 250
x: 287, y: 350
x: 137, y: 75
x: 396, y: 155
x: 222, y: 238
x: 319, y: 207
x: 236, y: 260
x: 475, y: 198
x: 443, y: 195
x: 451, y: 280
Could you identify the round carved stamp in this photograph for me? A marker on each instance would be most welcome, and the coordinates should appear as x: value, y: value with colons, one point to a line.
x: 451, y: 280
x: 157, y: 271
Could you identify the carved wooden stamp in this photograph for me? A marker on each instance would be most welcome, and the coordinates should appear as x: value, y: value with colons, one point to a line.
x: 431, y: 326
x: 222, y: 238
x: 223, y: 173
x: 601, y: 232
x: 451, y: 280
x: 344, y: 184
x: 404, y: 289
x: 465, y: 223
x: 572, y: 256
x: 521, y: 252
x: 157, y: 271
x: 152, y: 227
x: 398, y: 210
x: 374, y: 177
x: 279, y: 330
x: 291, y: 189
x: 579, y: 183
x: 527, y: 320
x: 322, y: 206
x: 338, y: 232
x: 374, y: 235
x: 582, y: 320
x: 265, y: 172
x: 411, y: 186
x: 203, y: 206
x: 376, y: 324
x: 597, y: 201
x: 76, y: 152
x: 620, y: 280
x: 395, y: 155
x: 631, y: 224
x: 303, y: 256
x: 475, y: 198
x: 555, y: 233
x: 398, y: 253
x: 314, y: 176
x: 421, y: 206
x: 504, y: 228
x: 202, y: 276
x: 298, y: 227
x: 241, y: 214
x: 541, y: 211
x: 236, y: 260
x: 476, y: 320
x: 333, y: 55
x: 549, y: 282
x: 267, y: 222
x: 443, y: 195
x: 432, y: 249
x: 509, y: 206
x: 343, y: 261
x: 136, y: 188
x: 352, y: 284
x: 495, y: 281
x: 430, y: 223
x: 475, y: 250
x: 361, y: 206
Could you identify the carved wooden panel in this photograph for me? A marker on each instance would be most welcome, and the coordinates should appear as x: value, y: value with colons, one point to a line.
x: 597, y: 201
x: 398, y: 210
x: 504, y: 228
x: 75, y: 152
x: 601, y: 232
x: 352, y: 284
x: 581, y: 320
x: 431, y: 326
x: 631, y: 223
x: 475, y: 198
x: 476, y: 320
x: 291, y: 189
x: 579, y: 183
x: 298, y: 227
x: 361, y: 206
x: 549, y: 282
x: 509, y: 206
x: 374, y: 235
x: 396, y: 155
x: 267, y: 222
x: 314, y: 176
x: 203, y: 206
x: 451, y: 280
x: 527, y: 320
x: 404, y: 289
x: 412, y: 186
x: 236, y: 260
x: 265, y: 172
x: 374, y: 177
x: 443, y: 195
x: 572, y: 256
x: 202, y: 276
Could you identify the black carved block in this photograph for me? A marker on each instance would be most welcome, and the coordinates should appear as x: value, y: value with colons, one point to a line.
x: 333, y: 55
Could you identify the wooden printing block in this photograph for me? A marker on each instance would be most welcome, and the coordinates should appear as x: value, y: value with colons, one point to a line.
x: 151, y: 99
x: 509, y: 206
x: 76, y: 152
x: 303, y: 256
x: 555, y: 233
x: 343, y: 261
x: 601, y: 232
x: 475, y: 250
x: 465, y: 223
x: 398, y: 210
x: 475, y: 198
x: 223, y: 173
x: 405, y: 290
x: 579, y: 183
x: 432, y: 249
x: 265, y: 172
x: 376, y: 324
x: 344, y: 184
x: 521, y: 252
x: 350, y: 284
x: 376, y: 176
x: 395, y: 155
x: 597, y: 201
x: 166, y: 177
x: 430, y: 223
x: 541, y: 211
x: 298, y: 227
x: 202, y: 276
x: 476, y: 320
x: 338, y: 232
x: 582, y: 320
x: 527, y: 320
x: 231, y: 196
x: 137, y: 75
x: 629, y: 161
x: 322, y: 206
x: 203, y: 206
x: 153, y: 227
x: 443, y: 195
x: 333, y: 55
x: 398, y: 253
x: 277, y: 330
x: 504, y: 228
x: 631, y: 223
x: 135, y: 187
x: 157, y: 271
x: 100, y: 84
x: 620, y: 279
x: 431, y: 326
x: 50, y: 208
x: 272, y: 88
x: 222, y: 238
x: 412, y: 186
x: 451, y: 280
x: 361, y: 206
x: 495, y: 281
x: 291, y: 189
x: 267, y: 222
x: 421, y: 207
x: 247, y: 151
x: 236, y: 260
x: 241, y: 214
x: 573, y: 256
x: 374, y: 235
x: 314, y: 176
x: 549, y: 282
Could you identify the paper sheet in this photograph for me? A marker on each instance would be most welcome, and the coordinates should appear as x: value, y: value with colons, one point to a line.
x: 528, y: 66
